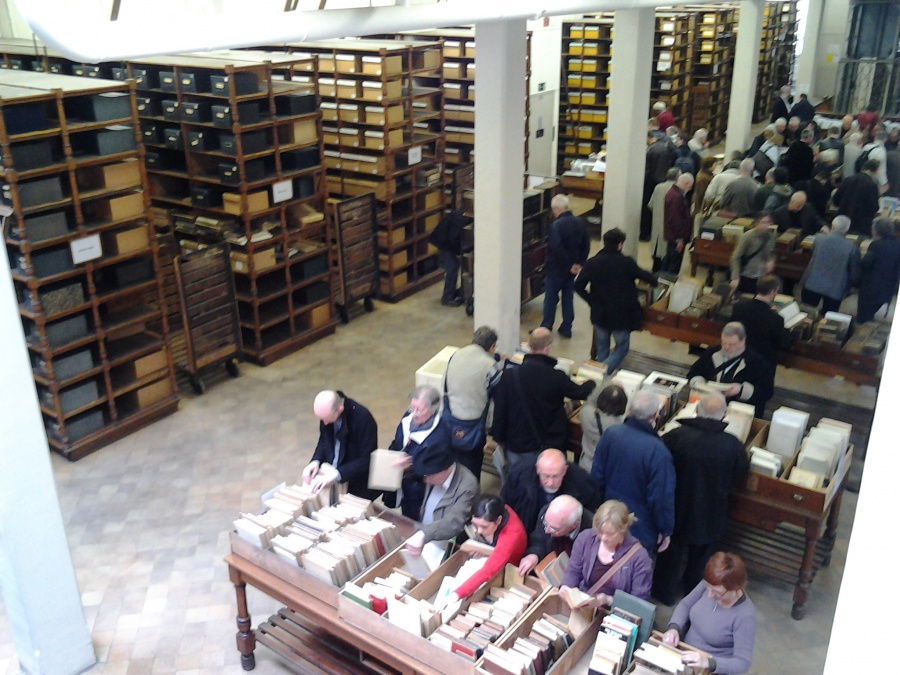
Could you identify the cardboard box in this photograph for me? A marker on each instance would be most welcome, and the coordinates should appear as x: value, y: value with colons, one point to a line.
x: 470, y: 49
x: 347, y: 89
x: 305, y: 132
x: 153, y: 393
x: 121, y: 174
x: 454, y: 70
x: 429, y: 200
x: 395, y: 236
x: 453, y: 48
x: 427, y: 59
x: 126, y: 241
x: 379, y: 140
x: 319, y: 316
x: 346, y: 63
x: 149, y: 364
x: 384, y: 115
x: 388, y: 262
x: 256, y: 201
x: 348, y: 112
x: 387, y: 288
x: 382, y: 65
x: 262, y: 260
x: 120, y: 208
x: 380, y: 91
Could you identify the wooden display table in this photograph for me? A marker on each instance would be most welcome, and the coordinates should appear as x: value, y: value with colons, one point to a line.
x: 822, y: 359
x: 581, y: 186
x: 717, y: 253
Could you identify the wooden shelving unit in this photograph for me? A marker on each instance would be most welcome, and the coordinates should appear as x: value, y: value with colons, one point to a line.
x: 776, y: 54
x: 673, y: 52
x: 584, y: 88
x: 84, y: 262
x: 234, y: 141
x: 714, y: 41
x: 383, y: 133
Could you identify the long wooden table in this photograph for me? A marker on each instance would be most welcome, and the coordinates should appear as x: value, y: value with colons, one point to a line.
x: 789, y: 265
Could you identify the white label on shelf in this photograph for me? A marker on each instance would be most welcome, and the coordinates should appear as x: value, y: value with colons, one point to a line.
x: 415, y: 155
x: 86, y: 248
x: 282, y: 191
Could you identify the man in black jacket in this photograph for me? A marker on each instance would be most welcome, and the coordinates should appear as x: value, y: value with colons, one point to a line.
x: 568, y: 245
x: 766, y: 334
x: 799, y: 159
x: 880, y: 271
x: 347, y: 436
x: 447, y: 236
x: 613, y: 299
x: 800, y: 214
x: 782, y: 104
x: 858, y: 198
x: 531, y: 487
x: 529, y: 403
x: 558, y: 525
x: 709, y: 463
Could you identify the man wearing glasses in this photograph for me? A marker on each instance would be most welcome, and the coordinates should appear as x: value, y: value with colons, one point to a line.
x: 558, y: 525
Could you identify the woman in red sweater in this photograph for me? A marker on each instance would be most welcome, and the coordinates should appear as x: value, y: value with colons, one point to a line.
x: 499, y: 526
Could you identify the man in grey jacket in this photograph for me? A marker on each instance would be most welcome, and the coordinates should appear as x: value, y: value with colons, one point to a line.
x: 833, y: 269
x: 450, y: 492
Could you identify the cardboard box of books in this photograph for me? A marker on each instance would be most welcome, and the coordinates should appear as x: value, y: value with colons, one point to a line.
x: 809, y: 478
x: 544, y: 628
x: 315, y: 542
x: 452, y: 640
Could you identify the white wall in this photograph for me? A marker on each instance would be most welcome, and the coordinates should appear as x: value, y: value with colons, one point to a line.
x: 831, y: 47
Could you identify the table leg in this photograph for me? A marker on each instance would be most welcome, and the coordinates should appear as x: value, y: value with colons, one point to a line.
x: 801, y: 590
x: 832, y: 526
x: 246, y: 640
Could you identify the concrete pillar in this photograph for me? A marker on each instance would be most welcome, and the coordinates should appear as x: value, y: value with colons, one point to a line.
x: 743, y: 82
x: 499, y: 172
x: 36, y: 574
x: 806, y: 62
x: 626, y: 133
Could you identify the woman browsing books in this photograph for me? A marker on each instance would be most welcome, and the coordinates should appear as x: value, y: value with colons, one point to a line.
x: 607, y: 558
x: 497, y: 525
x: 717, y: 617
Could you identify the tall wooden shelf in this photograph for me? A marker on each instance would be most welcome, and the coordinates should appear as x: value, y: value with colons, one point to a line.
x: 232, y: 139
x: 776, y: 54
x: 383, y: 125
x: 584, y: 94
x: 714, y: 42
x: 673, y: 55
x: 96, y: 330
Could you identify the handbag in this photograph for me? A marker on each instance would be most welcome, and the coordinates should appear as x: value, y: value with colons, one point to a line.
x: 465, y: 435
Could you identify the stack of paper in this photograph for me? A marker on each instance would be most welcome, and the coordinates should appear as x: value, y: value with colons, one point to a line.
x: 817, y: 457
x: 843, y: 428
x: 384, y: 474
x: 792, y: 315
x: 807, y: 479
x: 786, y: 431
x: 765, y: 462
x: 739, y: 417
x: 659, y: 659
x: 683, y: 293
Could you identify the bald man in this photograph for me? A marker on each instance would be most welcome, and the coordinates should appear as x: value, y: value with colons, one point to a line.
x: 709, y: 463
x: 530, y: 488
x: 347, y: 436
x: 529, y: 403
x: 800, y: 214
x: 559, y: 523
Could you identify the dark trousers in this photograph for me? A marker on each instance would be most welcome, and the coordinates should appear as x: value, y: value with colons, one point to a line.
x: 672, y: 262
x: 812, y: 298
x: 559, y: 283
x: 450, y: 263
x: 668, y: 568
x: 413, y: 496
x: 471, y: 459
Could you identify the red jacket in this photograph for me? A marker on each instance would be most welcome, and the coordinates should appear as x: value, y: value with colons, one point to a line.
x: 665, y: 119
x: 677, y: 217
x: 509, y: 547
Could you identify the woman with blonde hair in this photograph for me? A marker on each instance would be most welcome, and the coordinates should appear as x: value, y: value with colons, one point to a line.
x: 606, y: 558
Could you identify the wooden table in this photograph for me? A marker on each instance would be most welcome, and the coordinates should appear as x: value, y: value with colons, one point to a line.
x: 789, y: 265
x: 581, y: 186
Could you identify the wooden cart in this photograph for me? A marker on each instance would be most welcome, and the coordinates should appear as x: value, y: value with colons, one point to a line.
x: 212, y: 334
x: 357, y: 253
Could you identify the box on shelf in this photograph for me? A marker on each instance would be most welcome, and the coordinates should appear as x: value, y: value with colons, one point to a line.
x: 153, y: 393
x: 256, y: 201
x: 62, y: 332
x: 126, y: 241
x: 83, y: 425
x: 46, y: 226
x: 38, y: 192
x: 110, y: 105
x: 262, y: 260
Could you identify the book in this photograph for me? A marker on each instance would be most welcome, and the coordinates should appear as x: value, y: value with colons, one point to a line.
x: 575, y: 597
x: 552, y: 569
x: 383, y: 474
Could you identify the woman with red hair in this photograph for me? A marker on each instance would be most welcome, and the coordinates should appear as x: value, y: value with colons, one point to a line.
x: 718, y: 618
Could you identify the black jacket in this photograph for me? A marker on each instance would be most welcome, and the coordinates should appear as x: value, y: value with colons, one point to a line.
x: 751, y: 368
x: 799, y: 161
x: 540, y: 543
x: 880, y: 276
x: 709, y: 463
x: 660, y: 158
x: 779, y: 109
x: 766, y: 334
x: 804, y: 110
x: 544, y: 390
x: 524, y: 494
x: 568, y: 243
x: 857, y: 198
x: 359, y: 437
x: 806, y: 219
x: 447, y: 235
x: 612, y: 296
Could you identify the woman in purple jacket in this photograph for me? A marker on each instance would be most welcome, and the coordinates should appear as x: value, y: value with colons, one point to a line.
x: 599, y: 549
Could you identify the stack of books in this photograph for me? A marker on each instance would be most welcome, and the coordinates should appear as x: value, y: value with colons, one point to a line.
x: 654, y: 658
x: 739, y: 417
x: 624, y: 627
x: 608, y: 657
x: 534, y: 653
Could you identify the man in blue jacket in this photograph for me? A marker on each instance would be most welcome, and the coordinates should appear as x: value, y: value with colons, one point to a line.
x: 634, y: 466
x: 568, y: 246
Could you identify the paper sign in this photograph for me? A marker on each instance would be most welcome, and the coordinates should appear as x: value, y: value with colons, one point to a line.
x: 86, y: 248
x: 282, y: 191
x: 415, y: 155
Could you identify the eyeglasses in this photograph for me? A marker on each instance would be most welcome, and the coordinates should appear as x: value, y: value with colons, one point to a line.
x: 549, y: 528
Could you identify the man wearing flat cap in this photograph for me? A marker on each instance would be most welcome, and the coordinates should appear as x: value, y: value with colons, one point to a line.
x: 450, y: 491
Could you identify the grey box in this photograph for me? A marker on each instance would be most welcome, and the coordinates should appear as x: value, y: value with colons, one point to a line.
x: 167, y: 80
x: 244, y: 84
x: 86, y: 71
x: 315, y: 292
x: 50, y: 262
x: 133, y: 272
x: 193, y: 82
x: 147, y: 106
x: 110, y: 105
x: 304, y: 186
x: 68, y: 365
x: 110, y: 141
x: 37, y: 192
x: 300, y: 159
x: 150, y: 132
x: 314, y: 267
x: 295, y: 104
x: 195, y: 112
x: 46, y: 226
x: 27, y: 117
x: 170, y: 110
x: 201, y: 141
x: 254, y: 141
x: 82, y: 425
x: 75, y: 397
x: 247, y: 113
x: 34, y: 155
x: 63, y: 298
x: 62, y: 332
x: 173, y: 138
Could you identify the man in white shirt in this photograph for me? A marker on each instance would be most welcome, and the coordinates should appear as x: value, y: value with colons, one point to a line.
x: 878, y: 152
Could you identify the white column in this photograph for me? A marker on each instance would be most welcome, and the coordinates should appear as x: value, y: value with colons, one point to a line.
x: 806, y: 62
x: 499, y: 175
x: 36, y: 575
x: 626, y: 133
x: 743, y: 81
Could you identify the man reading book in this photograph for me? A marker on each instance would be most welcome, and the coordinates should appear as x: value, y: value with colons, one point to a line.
x: 558, y: 524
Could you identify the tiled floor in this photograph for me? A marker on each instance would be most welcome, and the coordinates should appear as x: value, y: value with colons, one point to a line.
x: 147, y: 518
